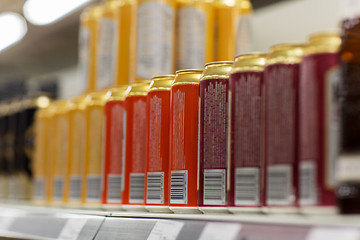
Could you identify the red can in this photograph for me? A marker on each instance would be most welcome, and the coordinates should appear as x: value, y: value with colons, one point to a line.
x: 213, y: 123
x: 282, y: 127
x: 184, y: 114
x: 246, y: 133
x: 135, y: 103
x: 319, y: 123
x: 157, y: 144
x: 114, y: 148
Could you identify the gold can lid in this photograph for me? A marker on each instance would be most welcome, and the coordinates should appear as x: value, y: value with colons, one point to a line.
x: 245, y: 6
x: 325, y: 42
x: 216, y: 70
x: 77, y: 102
x: 96, y: 98
x: 117, y: 93
x: 138, y: 89
x: 161, y: 83
x: 249, y: 62
x: 287, y: 53
x: 60, y: 106
x: 187, y: 76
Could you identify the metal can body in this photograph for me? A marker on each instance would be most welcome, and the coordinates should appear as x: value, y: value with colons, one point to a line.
x: 281, y: 127
x: 319, y: 122
x: 246, y: 132
x: 135, y: 103
x: 155, y: 38
x: 195, y: 34
x: 183, y: 169
x: 115, y: 136
x: 76, y: 153
x: 157, y: 143
x: 213, y: 135
x: 92, y: 174
x: 61, y: 129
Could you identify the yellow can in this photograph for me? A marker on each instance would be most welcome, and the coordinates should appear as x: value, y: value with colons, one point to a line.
x: 40, y: 155
x: 233, y: 31
x: 92, y: 174
x: 88, y: 41
x: 195, y: 33
x: 76, y: 153
x: 61, y: 130
x: 155, y: 37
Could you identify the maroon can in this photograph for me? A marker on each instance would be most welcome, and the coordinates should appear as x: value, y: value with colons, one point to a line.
x: 213, y: 134
x: 319, y: 123
x: 246, y: 133
x: 282, y: 75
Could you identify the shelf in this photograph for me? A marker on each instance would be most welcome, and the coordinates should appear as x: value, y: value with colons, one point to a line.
x: 29, y: 222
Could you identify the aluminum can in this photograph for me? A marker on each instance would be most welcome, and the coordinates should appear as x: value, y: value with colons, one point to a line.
x: 319, y: 123
x: 184, y: 118
x: 157, y: 144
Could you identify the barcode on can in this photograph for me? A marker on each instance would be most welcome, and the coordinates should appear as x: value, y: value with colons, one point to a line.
x: 114, y: 188
x: 247, y: 190
x: 93, y: 193
x: 58, y: 188
x: 75, y: 188
x: 178, y: 187
x: 279, y: 182
x: 307, y: 183
x: 39, y: 191
x: 155, y: 188
x: 214, y: 187
x: 137, y: 184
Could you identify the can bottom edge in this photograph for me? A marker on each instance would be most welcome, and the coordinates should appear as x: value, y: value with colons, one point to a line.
x: 318, y: 210
x: 214, y: 210
x: 185, y: 210
x: 240, y: 210
x: 281, y: 210
x: 158, y: 209
x: 134, y: 208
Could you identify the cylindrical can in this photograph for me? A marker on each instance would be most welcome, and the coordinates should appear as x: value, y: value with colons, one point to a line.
x: 184, y: 118
x: 88, y: 40
x: 76, y: 153
x: 246, y: 133
x: 61, y: 138
x: 214, y: 167
x: 135, y: 103
x: 115, y: 136
x: 319, y: 122
x: 282, y: 76
x: 155, y: 38
x: 106, y: 49
x: 126, y: 42
x: 92, y: 173
x: 233, y: 31
x: 195, y: 33
x: 157, y: 144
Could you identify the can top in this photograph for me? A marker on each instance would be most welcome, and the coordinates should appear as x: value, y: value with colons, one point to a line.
x: 244, y: 5
x: 77, y: 102
x: 60, y: 106
x: 138, y: 89
x: 161, y: 83
x: 187, y: 76
x: 96, y: 11
x: 325, y: 42
x: 216, y: 70
x: 117, y: 93
x: 287, y: 53
x: 252, y: 62
x: 96, y: 98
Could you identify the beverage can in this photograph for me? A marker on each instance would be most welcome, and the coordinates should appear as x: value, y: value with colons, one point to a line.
x: 246, y: 133
x: 157, y: 144
x: 184, y: 119
x: 213, y: 137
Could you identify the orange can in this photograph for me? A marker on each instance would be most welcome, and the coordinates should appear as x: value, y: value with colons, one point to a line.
x: 184, y: 114
x: 157, y: 144
x: 115, y: 135
x: 92, y: 174
x: 76, y: 153
x: 195, y: 33
x: 135, y: 102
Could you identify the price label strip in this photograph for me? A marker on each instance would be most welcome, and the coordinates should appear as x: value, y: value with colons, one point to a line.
x: 166, y: 230
x: 322, y: 233
x: 220, y: 231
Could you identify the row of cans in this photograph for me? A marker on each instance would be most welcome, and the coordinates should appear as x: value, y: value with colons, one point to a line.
x: 259, y: 133
x: 125, y: 40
